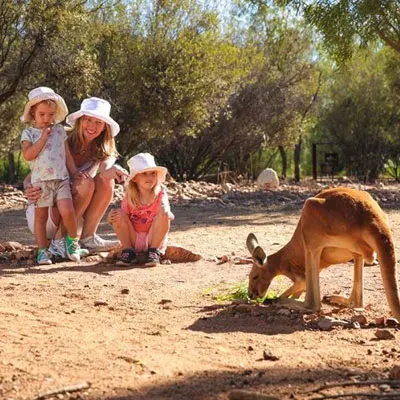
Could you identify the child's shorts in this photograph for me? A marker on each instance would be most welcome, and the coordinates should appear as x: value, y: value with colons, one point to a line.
x: 52, y: 191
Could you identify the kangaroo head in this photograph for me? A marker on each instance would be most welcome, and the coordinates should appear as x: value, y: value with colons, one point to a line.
x: 260, y: 275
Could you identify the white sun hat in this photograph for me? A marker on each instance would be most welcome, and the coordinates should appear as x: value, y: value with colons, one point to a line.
x: 144, y: 162
x: 44, y: 93
x: 97, y: 108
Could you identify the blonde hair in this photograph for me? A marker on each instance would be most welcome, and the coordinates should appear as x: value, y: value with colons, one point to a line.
x: 49, y: 102
x: 102, y: 147
x: 132, y: 193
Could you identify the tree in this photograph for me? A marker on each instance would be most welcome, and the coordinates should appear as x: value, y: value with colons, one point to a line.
x: 362, y: 114
x: 344, y: 23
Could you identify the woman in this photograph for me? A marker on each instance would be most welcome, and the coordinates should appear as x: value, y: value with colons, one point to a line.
x: 92, y: 146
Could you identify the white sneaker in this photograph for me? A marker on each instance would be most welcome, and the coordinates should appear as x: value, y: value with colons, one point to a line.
x: 58, y: 250
x: 95, y: 243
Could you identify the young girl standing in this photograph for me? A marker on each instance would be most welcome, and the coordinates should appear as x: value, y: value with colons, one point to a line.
x: 44, y: 146
x: 142, y: 223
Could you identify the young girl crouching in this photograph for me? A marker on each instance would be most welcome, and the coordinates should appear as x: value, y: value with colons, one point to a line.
x: 143, y: 221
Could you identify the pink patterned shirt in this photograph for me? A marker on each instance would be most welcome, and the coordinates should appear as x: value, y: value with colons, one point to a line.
x: 142, y: 217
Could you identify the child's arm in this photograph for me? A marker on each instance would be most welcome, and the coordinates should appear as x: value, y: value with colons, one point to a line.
x: 70, y: 161
x: 31, y: 150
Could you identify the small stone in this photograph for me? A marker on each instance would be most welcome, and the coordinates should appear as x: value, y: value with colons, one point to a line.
x: 395, y: 373
x: 361, y: 319
x: 100, y: 303
x: 125, y: 291
x: 325, y: 324
x: 392, y: 322
x: 267, y: 355
x: 384, y: 334
x: 381, y: 321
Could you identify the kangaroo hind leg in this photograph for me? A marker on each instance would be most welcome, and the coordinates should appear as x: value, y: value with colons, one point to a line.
x: 356, y: 299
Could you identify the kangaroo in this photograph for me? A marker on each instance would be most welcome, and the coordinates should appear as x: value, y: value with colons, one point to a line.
x: 335, y: 226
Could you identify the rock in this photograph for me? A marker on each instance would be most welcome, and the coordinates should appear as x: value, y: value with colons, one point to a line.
x: 268, y: 179
x: 10, y: 246
x: 100, y: 303
x: 395, y: 373
x: 384, y: 334
x: 361, y: 319
x: 392, y: 322
x: 125, y: 291
x: 325, y: 324
x: 267, y: 355
x: 380, y: 321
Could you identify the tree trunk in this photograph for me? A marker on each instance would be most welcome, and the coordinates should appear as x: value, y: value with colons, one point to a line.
x: 297, y: 154
x: 284, y: 162
x: 11, y: 167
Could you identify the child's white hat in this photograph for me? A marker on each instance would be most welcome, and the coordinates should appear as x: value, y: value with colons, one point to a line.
x: 97, y: 108
x: 144, y: 162
x: 44, y: 93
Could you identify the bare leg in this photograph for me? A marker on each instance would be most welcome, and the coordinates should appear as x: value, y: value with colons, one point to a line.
x: 100, y: 200
x: 122, y: 227
x: 41, y: 215
x: 67, y: 212
x: 82, y: 192
x: 159, y: 229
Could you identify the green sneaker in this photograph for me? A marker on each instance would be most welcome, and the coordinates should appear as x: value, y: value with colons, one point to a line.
x: 72, y: 248
x: 43, y: 257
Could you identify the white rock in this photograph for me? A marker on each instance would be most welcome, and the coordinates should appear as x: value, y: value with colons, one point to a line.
x: 268, y: 179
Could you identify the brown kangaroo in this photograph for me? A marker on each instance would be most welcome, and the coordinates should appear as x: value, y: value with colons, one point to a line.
x: 335, y: 226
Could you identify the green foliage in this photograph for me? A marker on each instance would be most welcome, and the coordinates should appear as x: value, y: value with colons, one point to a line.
x: 361, y: 113
x: 347, y: 24
x: 239, y: 292
x: 392, y: 168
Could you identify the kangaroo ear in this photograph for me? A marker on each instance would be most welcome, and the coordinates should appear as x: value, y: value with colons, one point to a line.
x: 251, y: 242
x: 259, y: 256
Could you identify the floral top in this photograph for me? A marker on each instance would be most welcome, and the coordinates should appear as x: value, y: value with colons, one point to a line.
x: 142, y: 217
x: 50, y: 163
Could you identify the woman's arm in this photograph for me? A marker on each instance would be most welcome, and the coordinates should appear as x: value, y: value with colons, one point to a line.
x: 32, y: 193
x: 109, y: 170
x: 70, y: 161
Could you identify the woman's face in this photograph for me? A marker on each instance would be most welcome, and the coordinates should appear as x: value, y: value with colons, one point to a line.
x: 92, y: 127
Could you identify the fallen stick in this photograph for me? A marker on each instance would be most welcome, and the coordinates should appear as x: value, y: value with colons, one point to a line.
x: 65, y: 389
x: 357, y: 383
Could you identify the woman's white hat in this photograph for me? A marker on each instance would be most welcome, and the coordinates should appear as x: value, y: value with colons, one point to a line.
x: 144, y: 162
x: 97, y: 108
x: 44, y: 93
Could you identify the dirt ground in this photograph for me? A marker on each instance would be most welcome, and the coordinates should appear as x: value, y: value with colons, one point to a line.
x: 161, y: 333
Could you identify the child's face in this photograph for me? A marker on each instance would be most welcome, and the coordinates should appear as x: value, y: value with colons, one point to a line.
x: 92, y: 127
x: 146, y: 180
x: 44, y: 114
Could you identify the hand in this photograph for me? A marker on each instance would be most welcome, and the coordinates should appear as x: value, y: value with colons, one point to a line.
x: 114, y: 216
x: 80, y: 175
x: 115, y: 172
x: 46, y: 131
x: 33, y: 193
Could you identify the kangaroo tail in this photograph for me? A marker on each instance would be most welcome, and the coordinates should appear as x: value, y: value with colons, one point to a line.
x: 384, y: 247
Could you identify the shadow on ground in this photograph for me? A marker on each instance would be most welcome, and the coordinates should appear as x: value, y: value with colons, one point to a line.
x: 292, y: 383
